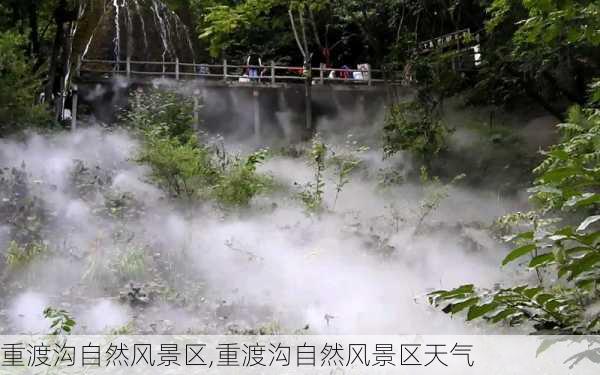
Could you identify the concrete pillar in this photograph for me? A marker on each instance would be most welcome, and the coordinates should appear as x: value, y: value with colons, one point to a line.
x: 256, y: 101
x: 196, y: 97
x: 74, y: 108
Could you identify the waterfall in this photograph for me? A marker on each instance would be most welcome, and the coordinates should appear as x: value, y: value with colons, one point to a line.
x: 117, y: 39
x: 162, y: 28
x: 162, y: 36
x: 130, y: 45
x: 142, y: 22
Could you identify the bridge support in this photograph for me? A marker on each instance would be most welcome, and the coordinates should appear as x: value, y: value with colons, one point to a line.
x: 74, y: 108
x: 196, y: 109
x: 256, y: 102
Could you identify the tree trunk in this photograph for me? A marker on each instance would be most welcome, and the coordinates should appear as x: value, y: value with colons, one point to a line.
x: 34, y: 37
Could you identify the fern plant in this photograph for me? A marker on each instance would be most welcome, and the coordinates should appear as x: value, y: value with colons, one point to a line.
x: 568, y: 182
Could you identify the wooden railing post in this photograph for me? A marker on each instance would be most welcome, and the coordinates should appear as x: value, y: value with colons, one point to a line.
x: 128, y: 67
x: 369, y: 77
x: 163, y: 69
x: 225, y: 70
x: 272, y: 72
x: 177, y: 68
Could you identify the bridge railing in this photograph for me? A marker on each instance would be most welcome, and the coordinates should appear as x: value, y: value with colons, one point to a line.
x: 271, y: 73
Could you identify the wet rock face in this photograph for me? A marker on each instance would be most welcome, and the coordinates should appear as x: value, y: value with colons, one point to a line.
x: 143, y: 30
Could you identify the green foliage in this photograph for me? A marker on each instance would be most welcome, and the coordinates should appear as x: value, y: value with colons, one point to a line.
x: 434, y: 193
x: 161, y: 114
x: 18, y: 256
x: 62, y: 322
x: 233, y: 27
x: 180, y: 164
x: 556, y: 309
x: 416, y: 128
x: 539, y: 48
x: 312, y: 193
x: 21, y: 209
x: 240, y: 182
x: 183, y: 170
x: 325, y: 159
x: 569, y: 255
x: 345, y: 162
x: 18, y: 87
x: 130, y: 264
x: 570, y: 170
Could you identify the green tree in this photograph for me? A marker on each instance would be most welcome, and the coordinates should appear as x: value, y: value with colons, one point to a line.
x: 18, y: 87
x: 563, y: 252
x: 545, y: 50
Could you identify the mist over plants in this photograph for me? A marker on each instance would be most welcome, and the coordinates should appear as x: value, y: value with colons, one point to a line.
x: 465, y: 184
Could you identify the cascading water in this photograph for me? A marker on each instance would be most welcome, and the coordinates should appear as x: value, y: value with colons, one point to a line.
x: 117, y: 39
x: 142, y: 22
x: 143, y: 30
x: 158, y: 19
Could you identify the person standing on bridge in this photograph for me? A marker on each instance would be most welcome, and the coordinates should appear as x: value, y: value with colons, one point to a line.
x: 253, y: 64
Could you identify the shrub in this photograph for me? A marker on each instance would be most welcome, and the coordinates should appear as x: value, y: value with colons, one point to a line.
x: 183, y: 166
x: 414, y: 127
x: 312, y: 193
x: 18, y: 256
x: 18, y: 87
x: 566, y: 258
x: 184, y: 170
x: 62, y: 322
x: 240, y: 182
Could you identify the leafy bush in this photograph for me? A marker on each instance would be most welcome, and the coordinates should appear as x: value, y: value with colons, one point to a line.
x: 345, y: 162
x: 240, y: 182
x: 566, y: 258
x: 414, y: 127
x: 312, y: 193
x: 21, y: 209
x: 18, y: 86
x: 18, y: 256
x: 62, y: 322
x: 131, y: 263
x: 162, y: 114
x: 182, y: 165
x: 184, y: 170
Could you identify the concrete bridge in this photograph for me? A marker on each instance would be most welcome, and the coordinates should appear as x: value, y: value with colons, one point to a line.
x: 227, y: 100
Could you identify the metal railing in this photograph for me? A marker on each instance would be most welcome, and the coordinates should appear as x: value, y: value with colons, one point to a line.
x: 227, y: 72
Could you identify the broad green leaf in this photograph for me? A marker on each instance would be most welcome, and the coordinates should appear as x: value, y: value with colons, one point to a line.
x: 557, y: 175
x: 458, y: 307
x: 518, y: 252
x: 583, y: 265
x: 542, y: 298
x: 583, y: 200
x: 531, y: 292
x: 587, y: 222
x: 541, y: 260
x: 503, y: 314
x: 479, y: 311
